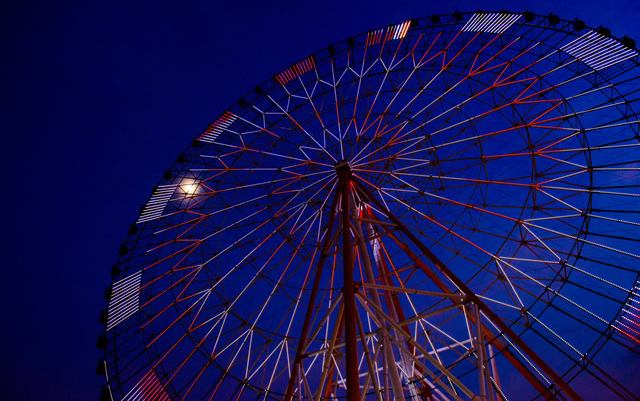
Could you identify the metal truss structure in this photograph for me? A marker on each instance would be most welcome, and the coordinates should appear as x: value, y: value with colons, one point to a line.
x: 441, y: 209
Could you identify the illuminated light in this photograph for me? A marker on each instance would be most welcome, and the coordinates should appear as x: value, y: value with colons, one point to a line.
x: 217, y: 127
x: 147, y: 389
x: 189, y: 187
x: 490, y: 22
x: 157, y: 203
x: 125, y: 300
x: 598, y: 51
x: 628, y: 323
x: 393, y: 32
x: 296, y: 70
x: 373, y: 37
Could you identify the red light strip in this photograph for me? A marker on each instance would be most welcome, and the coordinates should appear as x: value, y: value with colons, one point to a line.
x: 217, y: 127
x: 393, y: 32
x: 296, y: 70
x: 147, y: 389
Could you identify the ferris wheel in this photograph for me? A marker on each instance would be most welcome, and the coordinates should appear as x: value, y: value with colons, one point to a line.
x: 440, y: 209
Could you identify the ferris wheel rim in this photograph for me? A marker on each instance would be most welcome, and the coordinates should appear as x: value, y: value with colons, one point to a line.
x: 361, y: 36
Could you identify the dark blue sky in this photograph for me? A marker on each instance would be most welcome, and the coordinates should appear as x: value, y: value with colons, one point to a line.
x: 97, y: 100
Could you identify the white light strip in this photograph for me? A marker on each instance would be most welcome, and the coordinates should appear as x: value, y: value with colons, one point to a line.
x: 598, y: 51
x: 125, y: 299
x: 630, y: 323
x: 217, y: 127
x: 156, y: 204
x: 490, y: 22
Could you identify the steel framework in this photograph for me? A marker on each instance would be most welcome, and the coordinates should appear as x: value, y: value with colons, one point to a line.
x: 355, y: 210
x: 440, y: 209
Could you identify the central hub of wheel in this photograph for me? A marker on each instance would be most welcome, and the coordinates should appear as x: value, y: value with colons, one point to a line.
x: 343, y: 169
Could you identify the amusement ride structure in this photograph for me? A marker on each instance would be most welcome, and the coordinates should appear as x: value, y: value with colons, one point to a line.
x: 441, y: 209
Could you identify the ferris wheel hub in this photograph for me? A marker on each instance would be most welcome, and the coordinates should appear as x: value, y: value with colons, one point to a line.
x: 343, y: 169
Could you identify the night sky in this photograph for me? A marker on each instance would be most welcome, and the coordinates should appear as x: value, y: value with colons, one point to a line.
x: 97, y: 100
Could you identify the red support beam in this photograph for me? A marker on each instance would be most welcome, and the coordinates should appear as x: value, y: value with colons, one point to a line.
x: 556, y: 379
x: 350, y: 313
x: 328, y: 241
